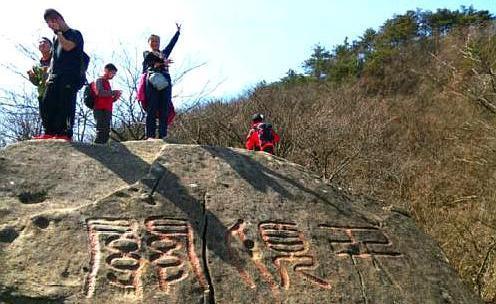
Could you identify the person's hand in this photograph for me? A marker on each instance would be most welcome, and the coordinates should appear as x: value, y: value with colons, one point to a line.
x: 178, y: 26
x: 31, y: 73
x: 168, y: 61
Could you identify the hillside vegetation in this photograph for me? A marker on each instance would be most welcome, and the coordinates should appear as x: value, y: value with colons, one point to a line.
x: 406, y: 115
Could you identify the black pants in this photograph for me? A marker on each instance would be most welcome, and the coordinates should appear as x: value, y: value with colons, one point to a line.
x: 156, y: 104
x: 103, y: 119
x: 58, y: 107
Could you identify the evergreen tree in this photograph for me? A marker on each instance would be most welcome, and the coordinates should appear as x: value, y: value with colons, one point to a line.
x: 318, y: 62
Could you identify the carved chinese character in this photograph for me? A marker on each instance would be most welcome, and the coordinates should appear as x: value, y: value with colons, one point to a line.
x: 237, y: 233
x: 361, y: 245
x: 291, y: 248
x: 117, y: 253
x: 172, y: 246
x: 115, y: 248
x: 360, y: 242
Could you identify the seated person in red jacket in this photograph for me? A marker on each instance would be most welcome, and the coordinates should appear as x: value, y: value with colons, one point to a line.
x: 104, y: 99
x: 261, y: 136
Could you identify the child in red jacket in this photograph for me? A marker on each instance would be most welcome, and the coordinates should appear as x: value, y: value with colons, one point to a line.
x: 261, y: 136
x: 104, y: 100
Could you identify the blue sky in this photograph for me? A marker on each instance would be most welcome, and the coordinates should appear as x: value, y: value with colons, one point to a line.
x: 240, y: 42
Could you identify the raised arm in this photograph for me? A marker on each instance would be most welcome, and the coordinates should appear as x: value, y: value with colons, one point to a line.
x: 72, y: 41
x: 168, y: 49
x: 66, y: 44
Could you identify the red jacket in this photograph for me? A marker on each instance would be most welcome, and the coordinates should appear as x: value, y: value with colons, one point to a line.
x: 104, y: 98
x: 253, y: 141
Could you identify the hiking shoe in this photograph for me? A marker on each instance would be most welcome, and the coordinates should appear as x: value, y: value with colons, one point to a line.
x: 44, y: 136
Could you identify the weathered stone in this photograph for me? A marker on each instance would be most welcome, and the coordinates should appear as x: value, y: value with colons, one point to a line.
x: 148, y: 222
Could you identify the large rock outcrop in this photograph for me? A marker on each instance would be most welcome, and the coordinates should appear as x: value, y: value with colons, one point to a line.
x: 148, y: 222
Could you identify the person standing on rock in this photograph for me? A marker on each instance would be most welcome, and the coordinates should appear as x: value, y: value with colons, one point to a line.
x: 158, y: 85
x: 58, y: 106
x: 104, y: 100
x: 261, y: 136
x: 39, y: 73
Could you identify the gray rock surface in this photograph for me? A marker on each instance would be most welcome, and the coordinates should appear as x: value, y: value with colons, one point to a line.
x: 148, y: 222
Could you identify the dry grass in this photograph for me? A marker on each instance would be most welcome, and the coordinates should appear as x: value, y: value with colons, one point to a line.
x: 423, y: 141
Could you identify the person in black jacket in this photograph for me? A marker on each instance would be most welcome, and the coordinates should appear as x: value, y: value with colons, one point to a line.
x: 58, y: 106
x: 156, y: 61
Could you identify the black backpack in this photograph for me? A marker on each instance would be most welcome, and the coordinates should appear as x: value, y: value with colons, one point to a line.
x: 85, y: 61
x: 266, y: 137
x: 89, y: 96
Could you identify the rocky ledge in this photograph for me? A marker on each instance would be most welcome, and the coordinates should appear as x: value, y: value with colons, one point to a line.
x: 150, y: 222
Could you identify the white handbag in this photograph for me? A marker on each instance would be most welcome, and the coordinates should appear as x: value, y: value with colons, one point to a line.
x: 158, y: 80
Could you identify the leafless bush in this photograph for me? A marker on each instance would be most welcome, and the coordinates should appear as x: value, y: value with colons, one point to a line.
x: 19, y: 110
x: 424, y: 146
x: 20, y: 119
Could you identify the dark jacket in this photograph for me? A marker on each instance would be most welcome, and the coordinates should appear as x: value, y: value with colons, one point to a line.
x: 68, y: 62
x: 149, y: 58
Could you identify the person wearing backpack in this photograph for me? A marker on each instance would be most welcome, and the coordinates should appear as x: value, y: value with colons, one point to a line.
x: 104, y: 98
x: 261, y: 136
x: 58, y: 107
x: 158, y: 85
